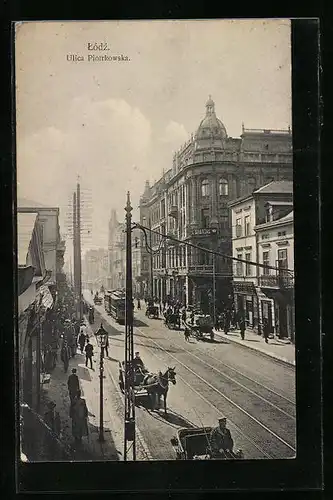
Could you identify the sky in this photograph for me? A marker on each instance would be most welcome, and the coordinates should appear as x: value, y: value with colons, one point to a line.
x: 117, y: 123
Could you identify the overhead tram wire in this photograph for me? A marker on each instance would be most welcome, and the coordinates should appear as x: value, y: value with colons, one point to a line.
x: 208, y: 250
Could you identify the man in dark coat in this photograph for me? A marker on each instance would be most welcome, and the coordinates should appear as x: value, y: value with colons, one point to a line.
x: 79, y: 415
x: 138, y: 363
x: 242, y: 327
x: 73, y: 385
x: 221, y: 442
x: 266, y: 330
x: 82, y: 341
x: 89, y: 350
x: 65, y: 354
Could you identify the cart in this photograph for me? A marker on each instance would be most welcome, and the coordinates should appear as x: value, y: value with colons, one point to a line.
x: 201, y: 327
x: 152, y: 311
x: 98, y: 300
x: 193, y: 444
x: 139, y: 389
x: 172, y: 321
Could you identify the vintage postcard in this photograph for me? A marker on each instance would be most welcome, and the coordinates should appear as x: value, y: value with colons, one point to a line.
x: 155, y: 231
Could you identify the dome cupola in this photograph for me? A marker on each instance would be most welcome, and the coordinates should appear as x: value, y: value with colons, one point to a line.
x: 211, y: 127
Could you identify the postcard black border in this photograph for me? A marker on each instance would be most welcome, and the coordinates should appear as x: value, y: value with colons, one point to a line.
x: 303, y: 473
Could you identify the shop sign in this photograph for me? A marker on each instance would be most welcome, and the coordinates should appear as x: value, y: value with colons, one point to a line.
x: 204, y: 232
x: 246, y: 288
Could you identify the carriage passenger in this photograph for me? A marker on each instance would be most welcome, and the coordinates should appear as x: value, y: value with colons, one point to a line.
x: 138, y: 363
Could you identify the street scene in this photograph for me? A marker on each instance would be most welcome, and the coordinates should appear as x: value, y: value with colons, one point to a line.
x: 155, y: 242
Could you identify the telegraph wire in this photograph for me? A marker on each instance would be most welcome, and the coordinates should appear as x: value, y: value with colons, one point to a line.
x: 208, y: 250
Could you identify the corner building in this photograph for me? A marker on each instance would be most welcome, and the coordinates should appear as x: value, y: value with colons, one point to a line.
x: 190, y: 202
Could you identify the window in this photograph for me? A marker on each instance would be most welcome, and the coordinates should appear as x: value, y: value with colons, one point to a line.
x: 224, y: 221
x: 247, y: 265
x: 223, y: 187
x: 205, y: 188
x: 282, y: 233
x: 239, y: 265
x: 205, y: 217
x: 247, y: 225
x: 265, y: 236
x: 238, y: 228
x: 265, y: 261
x: 282, y: 259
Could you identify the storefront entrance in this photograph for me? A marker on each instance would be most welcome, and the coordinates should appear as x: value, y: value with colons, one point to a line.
x: 266, y: 311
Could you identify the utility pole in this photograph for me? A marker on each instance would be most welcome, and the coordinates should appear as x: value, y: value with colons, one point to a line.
x: 129, y: 429
x: 79, y: 261
x: 75, y: 252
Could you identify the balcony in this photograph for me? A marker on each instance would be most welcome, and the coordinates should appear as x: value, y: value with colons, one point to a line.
x: 173, y: 211
x: 278, y: 282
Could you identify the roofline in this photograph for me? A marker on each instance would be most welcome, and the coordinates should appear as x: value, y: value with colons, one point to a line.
x: 279, y: 222
x: 240, y: 200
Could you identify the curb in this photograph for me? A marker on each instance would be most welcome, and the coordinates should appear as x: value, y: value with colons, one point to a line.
x: 264, y: 353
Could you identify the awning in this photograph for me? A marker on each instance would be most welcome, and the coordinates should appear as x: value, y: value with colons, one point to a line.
x: 45, y: 297
x: 25, y: 228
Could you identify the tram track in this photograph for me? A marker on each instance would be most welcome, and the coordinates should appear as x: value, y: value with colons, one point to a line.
x: 209, y: 403
x: 270, y: 403
x: 260, y: 437
x: 217, y: 391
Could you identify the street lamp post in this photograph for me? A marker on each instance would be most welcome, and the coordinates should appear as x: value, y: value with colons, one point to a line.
x: 101, y: 337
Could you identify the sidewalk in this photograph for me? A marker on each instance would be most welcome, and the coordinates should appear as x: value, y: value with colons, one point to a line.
x: 280, y: 350
x: 56, y: 390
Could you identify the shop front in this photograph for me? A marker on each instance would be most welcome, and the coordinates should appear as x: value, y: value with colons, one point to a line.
x: 283, y: 311
x: 246, y: 304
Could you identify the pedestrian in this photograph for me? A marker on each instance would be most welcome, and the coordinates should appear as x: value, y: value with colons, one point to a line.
x: 82, y: 341
x: 65, y: 355
x: 89, y: 350
x: 139, y: 305
x: 187, y: 334
x: 242, y: 327
x: 79, y: 415
x: 266, y: 330
x: 73, y: 385
x: 226, y: 322
x: 52, y: 418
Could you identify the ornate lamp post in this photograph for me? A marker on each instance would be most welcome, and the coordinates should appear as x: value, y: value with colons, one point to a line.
x: 101, y: 337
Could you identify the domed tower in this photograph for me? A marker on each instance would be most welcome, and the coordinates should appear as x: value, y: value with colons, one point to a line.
x: 211, y: 131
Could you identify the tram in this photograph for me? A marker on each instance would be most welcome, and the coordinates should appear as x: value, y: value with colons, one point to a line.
x: 114, y: 304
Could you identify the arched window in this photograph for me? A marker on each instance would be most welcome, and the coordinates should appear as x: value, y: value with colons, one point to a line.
x: 223, y: 187
x: 205, y: 187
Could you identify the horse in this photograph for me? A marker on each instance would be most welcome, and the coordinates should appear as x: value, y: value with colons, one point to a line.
x: 158, y: 385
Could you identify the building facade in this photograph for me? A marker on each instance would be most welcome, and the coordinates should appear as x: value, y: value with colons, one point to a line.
x: 275, y: 243
x: 249, y: 215
x: 40, y: 252
x: 117, y: 258
x: 190, y: 202
x: 95, y: 268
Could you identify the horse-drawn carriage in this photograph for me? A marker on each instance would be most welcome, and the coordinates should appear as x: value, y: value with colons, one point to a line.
x: 139, y: 389
x: 194, y: 444
x: 149, y: 385
x: 98, y: 300
x: 172, y: 321
x: 152, y: 311
x: 201, y: 326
